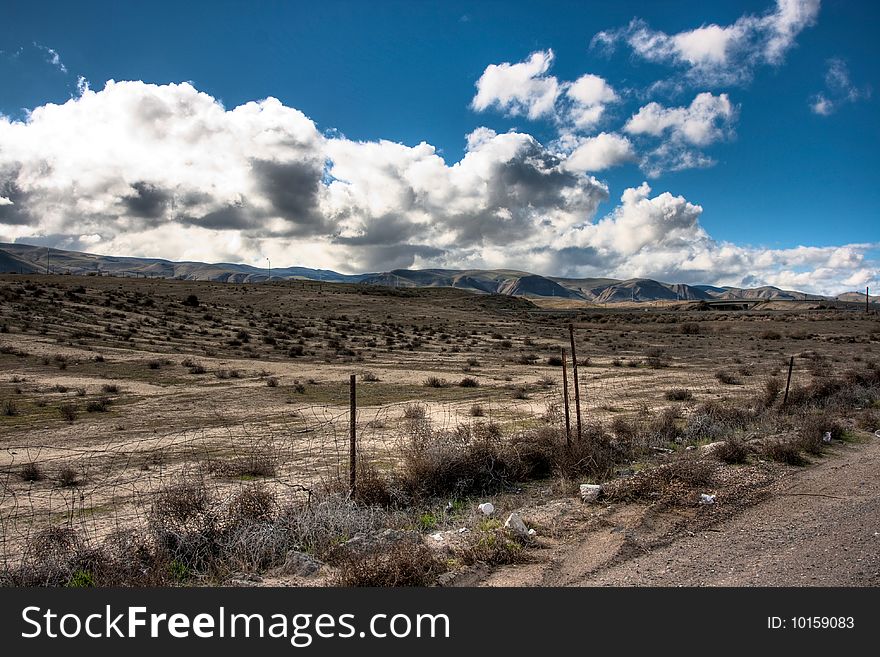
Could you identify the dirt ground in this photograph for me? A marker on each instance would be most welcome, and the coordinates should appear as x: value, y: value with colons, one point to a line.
x: 113, y: 387
x: 818, y: 526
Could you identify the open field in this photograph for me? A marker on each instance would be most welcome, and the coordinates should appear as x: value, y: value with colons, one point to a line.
x: 114, y: 391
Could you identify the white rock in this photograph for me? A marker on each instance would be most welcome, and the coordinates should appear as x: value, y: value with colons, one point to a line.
x: 515, y: 524
x: 438, y: 537
x: 532, y: 532
x: 590, y: 492
x: 487, y: 508
x: 827, y: 437
x: 707, y: 499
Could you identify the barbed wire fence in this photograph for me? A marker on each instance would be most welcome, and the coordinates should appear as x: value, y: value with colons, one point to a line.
x: 102, y: 484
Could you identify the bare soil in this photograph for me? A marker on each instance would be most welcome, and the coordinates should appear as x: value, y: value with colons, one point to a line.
x: 814, y: 526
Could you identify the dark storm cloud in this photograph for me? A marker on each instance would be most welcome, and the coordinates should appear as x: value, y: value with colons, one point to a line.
x: 292, y: 188
x: 148, y: 201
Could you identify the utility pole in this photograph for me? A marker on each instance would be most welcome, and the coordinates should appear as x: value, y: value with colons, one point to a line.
x: 47, y: 260
x: 867, y: 300
x: 270, y: 269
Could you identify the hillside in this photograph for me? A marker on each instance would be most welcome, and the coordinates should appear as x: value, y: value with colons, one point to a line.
x: 28, y: 259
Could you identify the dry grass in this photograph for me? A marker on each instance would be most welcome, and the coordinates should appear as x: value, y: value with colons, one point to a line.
x: 404, y: 563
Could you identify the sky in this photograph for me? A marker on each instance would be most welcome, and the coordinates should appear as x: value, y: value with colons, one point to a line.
x: 727, y: 143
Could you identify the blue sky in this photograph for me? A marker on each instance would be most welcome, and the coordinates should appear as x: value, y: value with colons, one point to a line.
x: 788, y: 159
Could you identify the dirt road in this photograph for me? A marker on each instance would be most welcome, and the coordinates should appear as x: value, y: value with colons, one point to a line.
x: 819, y: 526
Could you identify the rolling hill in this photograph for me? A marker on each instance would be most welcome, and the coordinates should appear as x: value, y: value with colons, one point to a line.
x: 28, y: 259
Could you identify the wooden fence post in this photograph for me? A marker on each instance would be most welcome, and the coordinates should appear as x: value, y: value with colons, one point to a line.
x: 352, y: 464
x: 577, y: 387
x: 788, y: 381
x: 565, y: 399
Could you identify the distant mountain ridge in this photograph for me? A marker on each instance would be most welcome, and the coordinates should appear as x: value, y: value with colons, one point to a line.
x: 28, y: 259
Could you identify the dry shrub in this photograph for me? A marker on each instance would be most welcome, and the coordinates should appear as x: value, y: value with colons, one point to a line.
x: 783, y: 451
x: 869, y: 420
x: 727, y: 378
x: 733, y: 450
x: 186, y: 526
x: 31, y: 472
x: 713, y: 421
x: 673, y: 483
x: 253, y: 504
x: 404, y: 563
x: 415, y: 411
x: 439, y: 463
x: 813, y: 429
x: 663, y: 428
x: 373, y: 487
x: 326, y: 520
x: 494, y: 547
x: 772, y: 388
x: 67, y: 477
x: 679, y: 394
x: 69, y: 411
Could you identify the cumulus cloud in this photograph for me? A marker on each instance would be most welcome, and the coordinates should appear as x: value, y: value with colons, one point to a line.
x: 135, y: 162
x: 521, y: 89
x: 603, y: 151
x: 661, y: 237
x: 719, y: 54
x: 839, y: 89
x: 685, y: 130
x: 167, y: 171
x: 589, y: 96
x: 526, y: 89
x: 707, y: 119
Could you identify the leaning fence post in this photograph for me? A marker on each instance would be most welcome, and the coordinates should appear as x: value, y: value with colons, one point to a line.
x: 788, y: 381
x: 565, y: 399
x: 352, y: 463
x: 574, y: 372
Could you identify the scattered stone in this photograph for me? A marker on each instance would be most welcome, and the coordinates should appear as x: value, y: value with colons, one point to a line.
x: 707, y: 499
x: 590, y: 492
x: 708, y: 448
x: 689, y: 448
x: 515, y: 524
x: 300, y: 563
x: 244, y: 579
x: 532, y: 532
x: 827, y: 437
x: 487, y: 508
x: 438, y: 537
x: 446, y: 579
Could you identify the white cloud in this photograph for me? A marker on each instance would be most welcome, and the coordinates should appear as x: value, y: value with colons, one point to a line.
x: 52, y: 57
x: 519, y: 89
x: 821, y: 105
x: 167, y: 171
x: 685, y: 130
x: 839, y: 89
x: 705, y: 121
x: 603, y: 151
x: 525, y: 89
x: 589, y: 96
x: 720, y: 54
